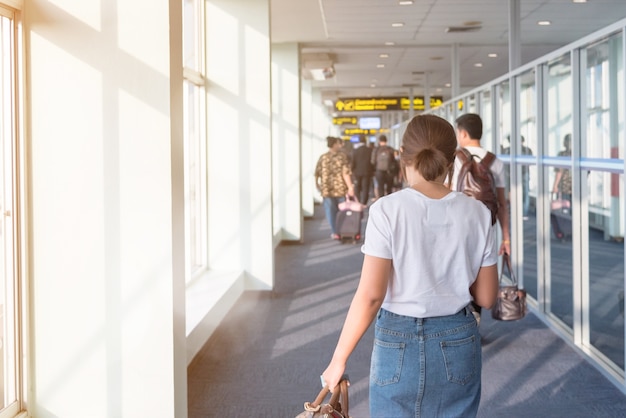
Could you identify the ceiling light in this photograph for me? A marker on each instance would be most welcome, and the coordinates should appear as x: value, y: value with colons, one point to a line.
x: 390, y: 43
x: 447, y: 84
x: 544, y: 23
x: 372, y: 85
x: 405, y: 2
x: 380, y: 65
x: 478, y: 64
x: 439, y: 89
x: 383, y: 56
x: 492, y: 55
x: 579, y: 1
x: 397, y: 25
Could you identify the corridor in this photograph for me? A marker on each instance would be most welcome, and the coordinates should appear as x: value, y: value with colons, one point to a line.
x: 266, y: 356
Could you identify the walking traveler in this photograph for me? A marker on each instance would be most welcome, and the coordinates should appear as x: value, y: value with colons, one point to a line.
x: 333, y: 179
x: 362, y: 170
x: 469, y: 131
x: 423, y: 264
x: 382, y: 159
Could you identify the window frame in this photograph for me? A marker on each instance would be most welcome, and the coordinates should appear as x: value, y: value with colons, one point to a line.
x: 13, y: 214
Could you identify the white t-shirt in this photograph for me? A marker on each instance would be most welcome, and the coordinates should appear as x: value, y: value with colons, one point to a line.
x: 497, y: 167
x: 436, y: 246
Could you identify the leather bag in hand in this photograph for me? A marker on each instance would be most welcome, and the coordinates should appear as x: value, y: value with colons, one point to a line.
x: 511, y: 302
x: 337, y: 407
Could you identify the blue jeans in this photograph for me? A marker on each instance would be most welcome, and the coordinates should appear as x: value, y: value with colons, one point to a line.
x: 331, y: 207
x: 425, y: 367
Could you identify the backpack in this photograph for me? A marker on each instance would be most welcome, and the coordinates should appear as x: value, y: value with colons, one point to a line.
x: 383, y: 158
x: 476, y: 180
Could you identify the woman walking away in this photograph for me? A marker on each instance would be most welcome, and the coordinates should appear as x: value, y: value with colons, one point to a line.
x: 429, y: 251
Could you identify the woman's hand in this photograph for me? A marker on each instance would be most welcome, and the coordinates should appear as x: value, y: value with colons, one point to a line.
x: 332, y: 375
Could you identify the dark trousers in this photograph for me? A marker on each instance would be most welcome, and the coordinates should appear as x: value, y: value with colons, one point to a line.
x: 362, y: 188
x: 385, y: 182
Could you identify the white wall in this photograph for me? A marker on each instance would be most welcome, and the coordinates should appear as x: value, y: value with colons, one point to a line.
x: 105, y: 258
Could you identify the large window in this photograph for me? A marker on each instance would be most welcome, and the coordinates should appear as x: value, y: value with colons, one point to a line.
x: 560, y: 300
x: 602, y: 200
x: 195, y: 139
x: 10, y: 303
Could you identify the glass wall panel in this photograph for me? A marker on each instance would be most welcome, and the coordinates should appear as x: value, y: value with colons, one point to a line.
x: 559, y: 108
x: 560, y: 104
x: 504, y: 120
x: 606, y: 266
x: 470, y: 105
x: 503, y: 130
x: 603, y: 102
x: 485, y: 113
x: 526, y: 144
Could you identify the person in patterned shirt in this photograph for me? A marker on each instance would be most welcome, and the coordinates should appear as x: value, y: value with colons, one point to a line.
x: 563, y: 179
x: 333, y: 178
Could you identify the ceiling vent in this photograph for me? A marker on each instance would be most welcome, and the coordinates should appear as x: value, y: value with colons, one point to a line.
x: 462, y: 29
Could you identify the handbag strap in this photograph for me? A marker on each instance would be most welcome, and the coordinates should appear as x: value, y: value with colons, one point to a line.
x: 506, y: 264
x: 335, y: 397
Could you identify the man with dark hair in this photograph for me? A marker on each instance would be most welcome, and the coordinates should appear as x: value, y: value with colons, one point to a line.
x: 362, y: 170
x: 469, y: 131
x: 333, y: 179
x: 383, y: 159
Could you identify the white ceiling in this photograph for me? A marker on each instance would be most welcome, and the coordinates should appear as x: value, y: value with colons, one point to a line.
x: 353, y: 33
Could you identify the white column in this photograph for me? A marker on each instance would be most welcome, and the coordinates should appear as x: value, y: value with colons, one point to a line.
x: 515, y: 49
x: 286, y: 149
x: 455, y: 71
x: 308, y: 158
x: 426, y: 91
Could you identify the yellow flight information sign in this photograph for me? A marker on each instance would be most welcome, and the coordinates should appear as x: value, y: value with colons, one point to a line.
x: 359, y: 131
x: 384, y: 103
x: 346, y: 120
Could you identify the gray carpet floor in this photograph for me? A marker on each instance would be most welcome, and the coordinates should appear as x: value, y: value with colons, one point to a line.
x: 265, y: 359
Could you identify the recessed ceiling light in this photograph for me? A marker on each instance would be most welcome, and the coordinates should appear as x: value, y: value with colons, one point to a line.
x: 390, y: 43
x: 383, y: 56
x: 492, y: 55
x: 397, y: 24
x: 579, y: 1
x: 380, y: 65
x: 544, y: 23
x: 372, y: 85
x: 478, y: 64
x: 405, y: 2
x: 447, y: 84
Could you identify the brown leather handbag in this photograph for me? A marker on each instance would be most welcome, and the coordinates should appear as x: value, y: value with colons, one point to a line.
x: 333, y: 409
x: 511, y: 302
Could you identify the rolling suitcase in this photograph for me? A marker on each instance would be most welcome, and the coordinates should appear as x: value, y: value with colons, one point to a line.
x: 349, y: 220
x: 561, y: 222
